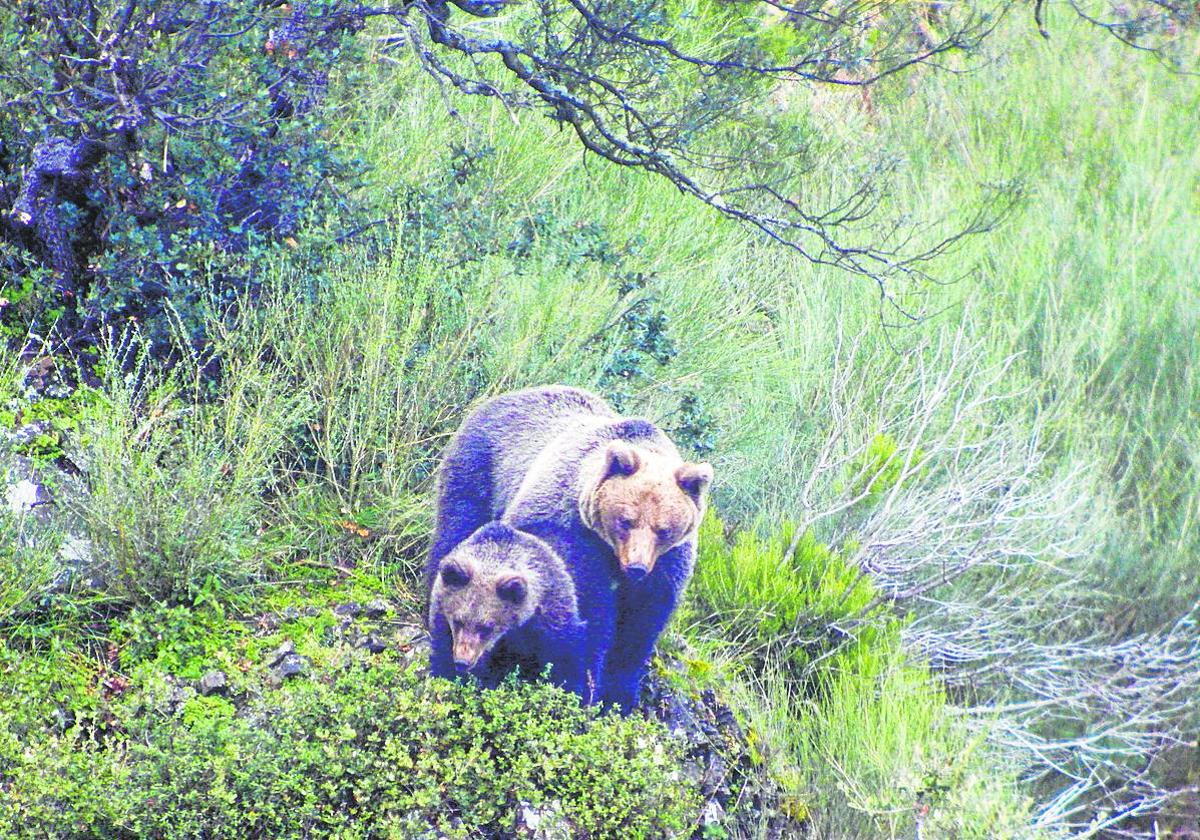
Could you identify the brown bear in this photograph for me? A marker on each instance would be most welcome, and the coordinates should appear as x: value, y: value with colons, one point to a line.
x: 610, y: 495
x: 501, y: 601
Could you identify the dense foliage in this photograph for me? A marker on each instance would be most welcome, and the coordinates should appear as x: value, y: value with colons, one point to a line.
x: 153, y: 151
x: 370, y: 752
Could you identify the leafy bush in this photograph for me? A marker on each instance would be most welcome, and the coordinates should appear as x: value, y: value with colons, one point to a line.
x: 174, y: 483
x: 383, y: 752
x: 192, y: 145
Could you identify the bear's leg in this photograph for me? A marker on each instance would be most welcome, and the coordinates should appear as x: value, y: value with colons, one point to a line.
x: 644, y: 610
x: 501, y: 661
x: 464, y: 502
x: 600, y: 636
x: 569, y: 663
x: 441, y: 650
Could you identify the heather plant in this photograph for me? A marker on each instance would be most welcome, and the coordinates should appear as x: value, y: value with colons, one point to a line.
x: 175, y: 478
x: 379, y: 752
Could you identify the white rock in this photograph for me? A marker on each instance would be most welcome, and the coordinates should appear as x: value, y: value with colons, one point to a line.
x: 714, y: 814
x: 24, y: 496
x: 76, y: 551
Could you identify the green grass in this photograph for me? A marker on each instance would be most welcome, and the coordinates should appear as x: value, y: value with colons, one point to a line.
x: 862, y: 736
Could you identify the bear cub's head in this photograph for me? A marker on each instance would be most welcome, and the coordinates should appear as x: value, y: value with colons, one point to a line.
x: 644, y: 504
x: 488, y: 585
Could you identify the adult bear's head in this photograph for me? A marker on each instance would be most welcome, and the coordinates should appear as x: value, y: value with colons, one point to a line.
x: 644, y: 503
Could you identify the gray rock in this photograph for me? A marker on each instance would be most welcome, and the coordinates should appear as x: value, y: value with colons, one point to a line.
x: 409, y: 634
x: 76, y: 552
x: 214, y: 682
x: 545, y: 822
x: 350, y: 610
x: 75, y: 563
x: 178, y: 696
x: 291, y: 665
x: 713, y: 813
x: 25, y: 495
x: 372, y: 643
x: 377, y: 608
x: 23, y: 492
x: 282, y: 652
x: 27, y: 434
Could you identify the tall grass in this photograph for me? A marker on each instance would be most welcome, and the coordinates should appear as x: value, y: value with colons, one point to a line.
x: 177, y: 478
x: 1092, y: 281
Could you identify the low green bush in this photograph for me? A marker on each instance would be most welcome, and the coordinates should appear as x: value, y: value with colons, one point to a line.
x: 786, y: 595
x: 174, y: 482
x: 378, y: 753
x: 861, y: 735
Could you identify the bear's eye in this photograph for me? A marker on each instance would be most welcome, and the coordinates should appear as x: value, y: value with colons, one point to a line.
x: 455, y: 576
x: 625, y: 522
x: 664, y: 534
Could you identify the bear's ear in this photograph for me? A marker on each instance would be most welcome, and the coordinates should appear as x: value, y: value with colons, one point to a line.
x: 621, y: 459
x: 694, y: 479
x: 454, y: 575
x: 512, y: 589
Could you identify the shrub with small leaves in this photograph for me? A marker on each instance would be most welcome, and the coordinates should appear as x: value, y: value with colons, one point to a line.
x: 378, y: 753
x: 153, y: 150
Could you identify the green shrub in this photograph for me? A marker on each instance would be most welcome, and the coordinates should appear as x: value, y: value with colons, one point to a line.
x: 785, y: 595
x: 28, y: 562
x: 380, y: 753
x: 189, y: 207
x: 861, y: 735
x: 174, y: 483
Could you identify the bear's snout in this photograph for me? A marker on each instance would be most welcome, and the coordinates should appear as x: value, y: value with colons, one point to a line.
x: 637, y: 553
x: 636, y: 573
x: 468, y: 648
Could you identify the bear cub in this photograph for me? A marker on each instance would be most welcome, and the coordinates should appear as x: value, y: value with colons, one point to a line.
x: 502, y: 600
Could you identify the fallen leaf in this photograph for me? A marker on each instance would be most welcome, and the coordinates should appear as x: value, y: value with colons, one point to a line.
x: 354, y: 528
